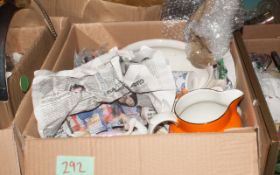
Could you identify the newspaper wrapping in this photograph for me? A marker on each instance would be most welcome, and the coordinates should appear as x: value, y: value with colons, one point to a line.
x: 102, y: 80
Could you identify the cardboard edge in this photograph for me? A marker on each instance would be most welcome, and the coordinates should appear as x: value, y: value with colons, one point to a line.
x: 62, y: 39
x: 8, y: 108
x: 71, y: 30
x: 19, y: 140
x: 276, y: 12
x: 36, y: 143
x: 256, y: 90
x: 6, y: 114
x: 14, y: 149
x: 268, y: 121
x: 272, y: 158
x: 18, y: 150
x: 44, y: 41
x: 256, y: 31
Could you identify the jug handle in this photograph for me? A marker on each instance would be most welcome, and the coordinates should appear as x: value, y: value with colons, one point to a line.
x: 159, y: 119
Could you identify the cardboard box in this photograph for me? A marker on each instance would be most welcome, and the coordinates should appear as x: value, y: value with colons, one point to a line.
x: 139, y: 3
x: 34, y: 40
x: 98, y: 11
x: 261, y: 39
x: 17, y: 41
x: 24, y: 40
x: 78, y: 11
x: 241, y: 151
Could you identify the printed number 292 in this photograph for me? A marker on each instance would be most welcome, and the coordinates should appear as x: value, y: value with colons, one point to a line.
x: 71, y: 167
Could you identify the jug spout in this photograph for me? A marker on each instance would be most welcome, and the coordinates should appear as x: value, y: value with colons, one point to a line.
x: 230, y: 96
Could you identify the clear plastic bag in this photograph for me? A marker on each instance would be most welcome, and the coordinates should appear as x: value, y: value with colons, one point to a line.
x: 209, y: 28
x: 179, y: 9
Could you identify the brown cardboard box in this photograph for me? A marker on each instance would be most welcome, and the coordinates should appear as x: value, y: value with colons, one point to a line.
x: 85, y: 11
x: 23, y: 40
x: 15, y: 42
x: 34, y: 40
x: 241, y: 151
x: 138, y: 3
x: 98, y: 11
x: 78, y: 11
x: 262, y: 39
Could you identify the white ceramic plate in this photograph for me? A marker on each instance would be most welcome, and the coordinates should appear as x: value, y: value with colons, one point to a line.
x: 173, y: 50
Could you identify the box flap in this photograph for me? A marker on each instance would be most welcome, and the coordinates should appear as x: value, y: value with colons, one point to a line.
x: 25, y: 109
x: 17, y: 39
x: 266, y: 129
x: 26, y: 18
x: 24, y: 40
x: 62, y: 27
x: 6, y: 115
x: 213, y: 154
x: 31, y: 61
x: 145, y: 3
x: 261, y: 31
x: 8, y: 153
x: 257, y: 45
x: 99, y: 11
x: 31, y: 128
x: 264, y: 140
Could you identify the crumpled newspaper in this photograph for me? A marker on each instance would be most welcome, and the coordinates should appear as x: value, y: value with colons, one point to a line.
x: 270, y: 83
x: 102, y: 80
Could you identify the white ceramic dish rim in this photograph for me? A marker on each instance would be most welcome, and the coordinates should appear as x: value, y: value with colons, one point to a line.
x: 157, y: 43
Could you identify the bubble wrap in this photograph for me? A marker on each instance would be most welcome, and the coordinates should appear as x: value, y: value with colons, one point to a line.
x: 215, y: 26
x: 173, y: 13
x: 179, y: 9
x: 208, y: 29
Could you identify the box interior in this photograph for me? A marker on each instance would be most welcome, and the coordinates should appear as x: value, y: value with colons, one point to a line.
x: 25, y: 41
x: 22, y: 40
x: 138, y: 3
x: 25, y: 109
x: 263, y: 39
x: 112, y: 34
x: 261, y: 31
x: 16, y: 41
x: 31, y: 60
x: 35, y: 43
x: 83, y: 36
x: 98, y: 11
x: 266, y: 43
x: 33, y: 40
